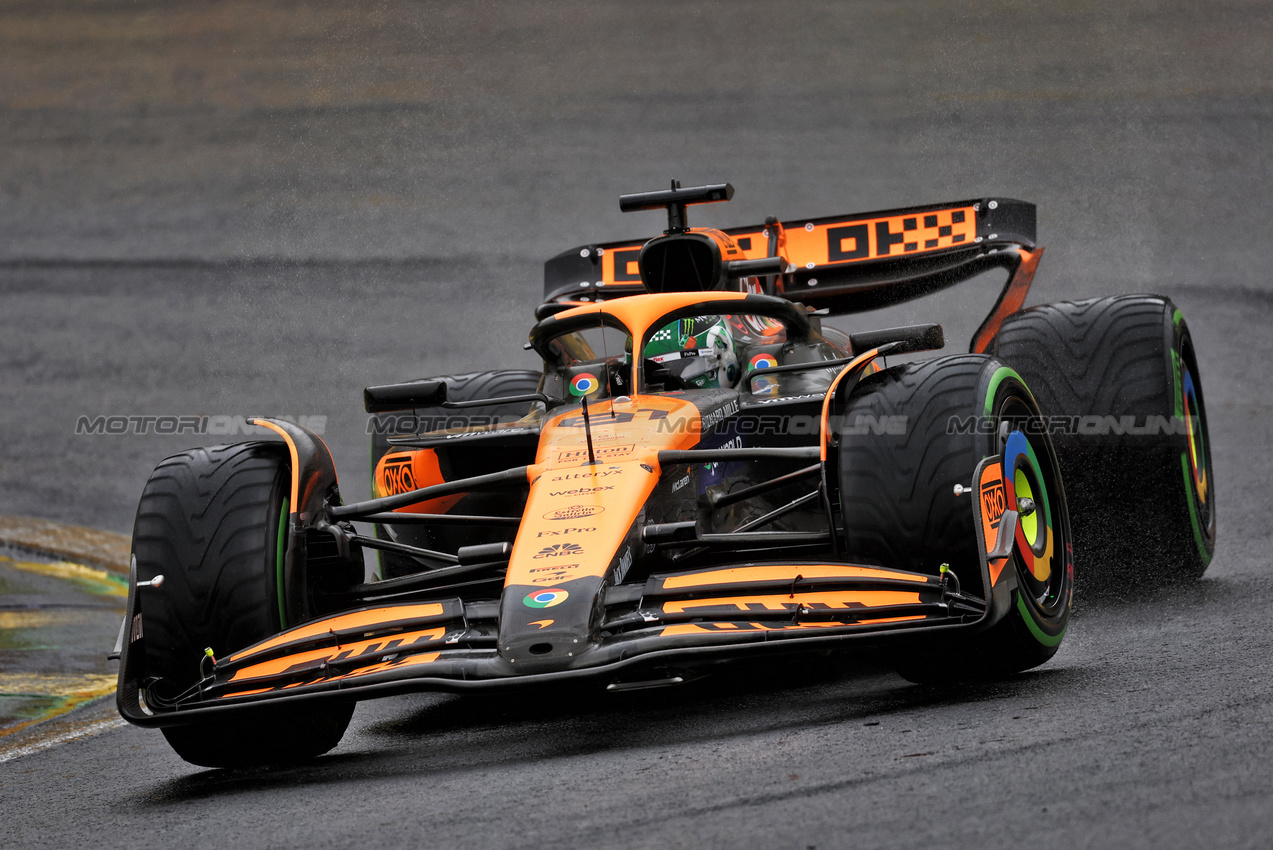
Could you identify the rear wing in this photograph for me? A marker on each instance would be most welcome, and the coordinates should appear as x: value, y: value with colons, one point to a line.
x: 848, y: 264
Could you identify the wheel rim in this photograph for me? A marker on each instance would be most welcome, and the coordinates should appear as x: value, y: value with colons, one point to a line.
x: 1030, y: 472
x: 1029, y: 527
x: 1196, y: 445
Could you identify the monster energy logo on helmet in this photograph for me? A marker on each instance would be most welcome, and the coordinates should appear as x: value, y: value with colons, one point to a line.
x: 698, y: 349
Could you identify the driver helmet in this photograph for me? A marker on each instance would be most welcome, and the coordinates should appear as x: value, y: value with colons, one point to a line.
x: 698, y: 350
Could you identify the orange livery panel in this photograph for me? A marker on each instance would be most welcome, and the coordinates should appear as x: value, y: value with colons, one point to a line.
x: 578, y: 514
x: 402, y: 472
x: 993, y: 498
x: 852, y: 240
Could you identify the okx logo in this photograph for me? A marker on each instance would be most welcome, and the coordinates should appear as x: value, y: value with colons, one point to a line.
x: 993, y: 501
x: 399, y: 475
x: 560, y: 550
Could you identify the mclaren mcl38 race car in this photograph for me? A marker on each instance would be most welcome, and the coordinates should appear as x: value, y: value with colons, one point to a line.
x: 703, y: 472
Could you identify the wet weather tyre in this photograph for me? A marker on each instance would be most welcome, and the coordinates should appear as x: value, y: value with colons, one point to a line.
x: 213, y: 522
x: 1119, y: 379
x: 897, y: 494
x: 472, y: 386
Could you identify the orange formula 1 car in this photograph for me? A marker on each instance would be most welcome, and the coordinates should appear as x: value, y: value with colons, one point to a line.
x: 702, y: 472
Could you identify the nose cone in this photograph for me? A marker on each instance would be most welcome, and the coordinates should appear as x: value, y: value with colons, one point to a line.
x: 545, y: 627
x: 580, y: 525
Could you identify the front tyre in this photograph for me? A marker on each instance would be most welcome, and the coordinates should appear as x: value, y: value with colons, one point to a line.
x: 213, y: 522
x: 900, y: 509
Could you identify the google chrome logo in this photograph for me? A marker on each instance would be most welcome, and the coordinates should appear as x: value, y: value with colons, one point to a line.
x: 764, y: 361
x: 584, y: 384
x: 545, y: 598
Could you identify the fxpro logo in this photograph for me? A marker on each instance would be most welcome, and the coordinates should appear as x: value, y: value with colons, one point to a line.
x: 567, y: 530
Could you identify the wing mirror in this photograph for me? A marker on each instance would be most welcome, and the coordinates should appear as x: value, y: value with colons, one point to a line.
x: 900, y: 340
x: 404, y: 396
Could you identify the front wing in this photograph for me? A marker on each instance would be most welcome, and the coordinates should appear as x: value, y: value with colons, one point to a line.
x: 650, y: 632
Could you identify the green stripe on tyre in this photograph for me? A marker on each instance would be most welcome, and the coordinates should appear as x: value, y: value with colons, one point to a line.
x: 995, y: 380
x: 1027, y: 617
x: 278, y: 561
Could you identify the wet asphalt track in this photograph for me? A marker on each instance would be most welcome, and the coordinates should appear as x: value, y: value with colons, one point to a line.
x: 229, y: 209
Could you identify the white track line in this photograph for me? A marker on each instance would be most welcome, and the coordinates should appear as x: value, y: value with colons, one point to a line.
x: 63, y: 738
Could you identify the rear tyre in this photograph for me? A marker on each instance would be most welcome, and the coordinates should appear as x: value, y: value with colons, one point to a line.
x: 469, y: 387
x: 901, y: 511
x: 1143, y: 503
x: 213, y: 522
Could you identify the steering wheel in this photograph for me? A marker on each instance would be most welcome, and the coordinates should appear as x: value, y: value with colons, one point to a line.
x: 657, y: 373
